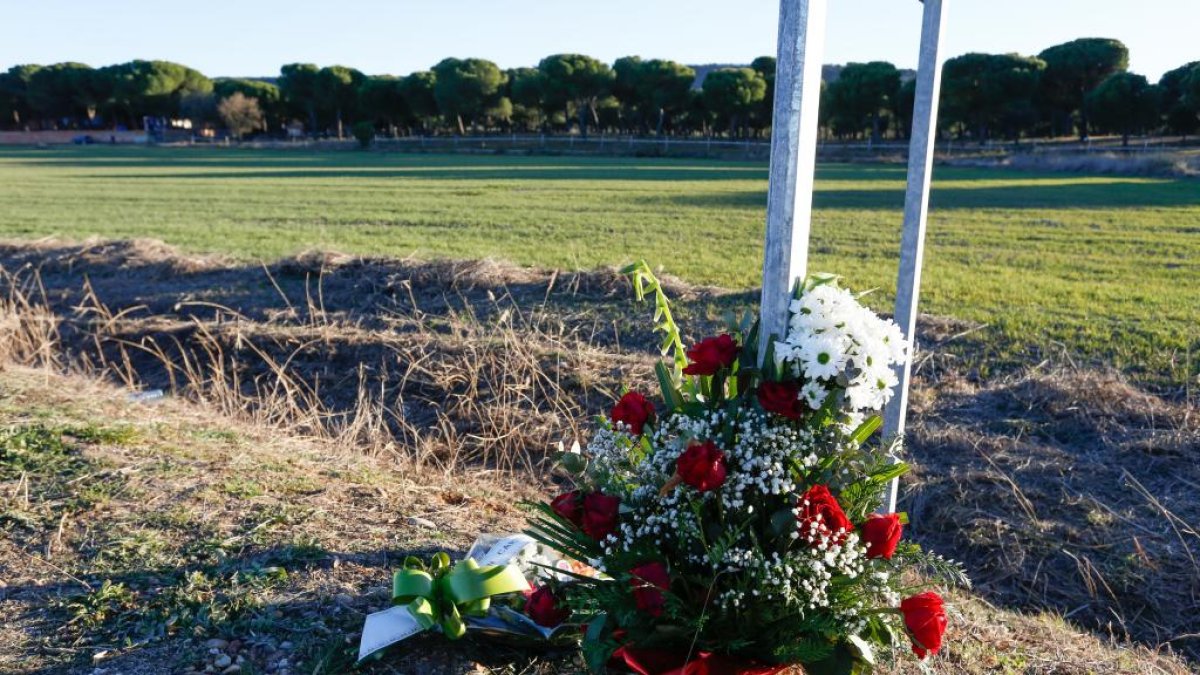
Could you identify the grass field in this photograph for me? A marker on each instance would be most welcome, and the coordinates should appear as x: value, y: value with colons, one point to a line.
x: 1103, y: 267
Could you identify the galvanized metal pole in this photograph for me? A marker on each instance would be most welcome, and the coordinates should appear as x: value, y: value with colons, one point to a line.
x: 916, y: 207
x: 793, y: 158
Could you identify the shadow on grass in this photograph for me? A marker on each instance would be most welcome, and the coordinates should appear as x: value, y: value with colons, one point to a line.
x: 1112, y: 193
x: 954, y: 188
x: 167, y: 163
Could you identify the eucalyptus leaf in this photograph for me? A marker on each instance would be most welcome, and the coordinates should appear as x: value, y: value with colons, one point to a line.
x: 783, y: 523
x: 574, y: 463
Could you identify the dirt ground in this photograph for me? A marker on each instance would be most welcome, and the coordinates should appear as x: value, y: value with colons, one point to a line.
x: 322, y: 412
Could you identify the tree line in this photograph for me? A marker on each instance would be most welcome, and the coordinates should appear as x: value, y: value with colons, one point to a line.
x: 1080, y: 87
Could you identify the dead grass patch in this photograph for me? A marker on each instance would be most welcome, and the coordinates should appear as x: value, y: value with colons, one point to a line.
x: 1066, y: 492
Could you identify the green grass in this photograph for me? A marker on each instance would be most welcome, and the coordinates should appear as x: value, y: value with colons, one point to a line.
x: 1106, y: 267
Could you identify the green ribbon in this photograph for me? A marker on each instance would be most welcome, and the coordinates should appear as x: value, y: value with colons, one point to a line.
x: 439, y: 594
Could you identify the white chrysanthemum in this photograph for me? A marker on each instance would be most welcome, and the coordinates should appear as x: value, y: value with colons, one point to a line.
x: 823, y: 296
x: 852, y: 421
x: 871, y: 356
x: 815, y: 322
x: 833, y: 338
x: 823, y: 357
x: 860, y: 396
x: 882, y: 381
x: 813, y: 394
x: 893, y: 337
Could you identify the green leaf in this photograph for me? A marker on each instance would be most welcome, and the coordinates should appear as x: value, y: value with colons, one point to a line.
x: 864, y: 430
x: 595, y: 650
x: 573, y: 462
x: 889, y: 472
x: 666, y: 383
x: 644, y: 281
x: 865, y: 651
x: 595, y: 628
x: 818, y: 279
x: 783, y: 523
x: 841, y: 661
x: 770, y: 369
x: 731, y: 321
x: 814, y: 653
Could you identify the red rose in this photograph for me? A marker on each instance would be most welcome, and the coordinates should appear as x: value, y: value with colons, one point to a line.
x: 600, y: 515
x: 650, y: 580
x: 634, y: 411
x: 545, y: 608
x: 781, y: 398
x: 569, y: 506
x: 702, y: 466
x: 881, y: 533
x: 925, y: 618
x: 711, y: 355
x: 821, y: 516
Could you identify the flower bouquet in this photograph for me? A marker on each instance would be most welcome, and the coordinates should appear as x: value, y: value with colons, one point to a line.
x: 736, y: 526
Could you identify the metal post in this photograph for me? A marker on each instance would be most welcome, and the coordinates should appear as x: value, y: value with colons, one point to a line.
x: 793, y: 159
x: 916, y: 208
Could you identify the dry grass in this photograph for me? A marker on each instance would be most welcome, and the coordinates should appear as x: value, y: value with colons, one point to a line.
x: 476, y: 379
x: 1070, y: 491
x: 28, y: 329
x: 134, y: 534
x: 101, y: 549
x: 1066, y: 492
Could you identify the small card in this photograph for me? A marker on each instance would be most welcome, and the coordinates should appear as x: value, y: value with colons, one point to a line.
x: 386, y: 628
x: 502, y: 552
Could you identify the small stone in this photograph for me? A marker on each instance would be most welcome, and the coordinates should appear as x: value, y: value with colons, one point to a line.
x: 232, y: 669
x: 223, y: 661
x: 342, y: 599
x: 216, y: 643
x: 418, y: 521
x: 286, y: 644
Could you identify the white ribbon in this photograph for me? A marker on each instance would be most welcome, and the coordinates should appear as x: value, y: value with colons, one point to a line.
x: 386, y: 628
x: 394, y: 624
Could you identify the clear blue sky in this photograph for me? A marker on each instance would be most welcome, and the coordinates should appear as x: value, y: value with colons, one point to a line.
x: 252, y: 37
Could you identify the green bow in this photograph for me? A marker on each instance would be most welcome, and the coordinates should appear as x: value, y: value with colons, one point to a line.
x: 441, y: 594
